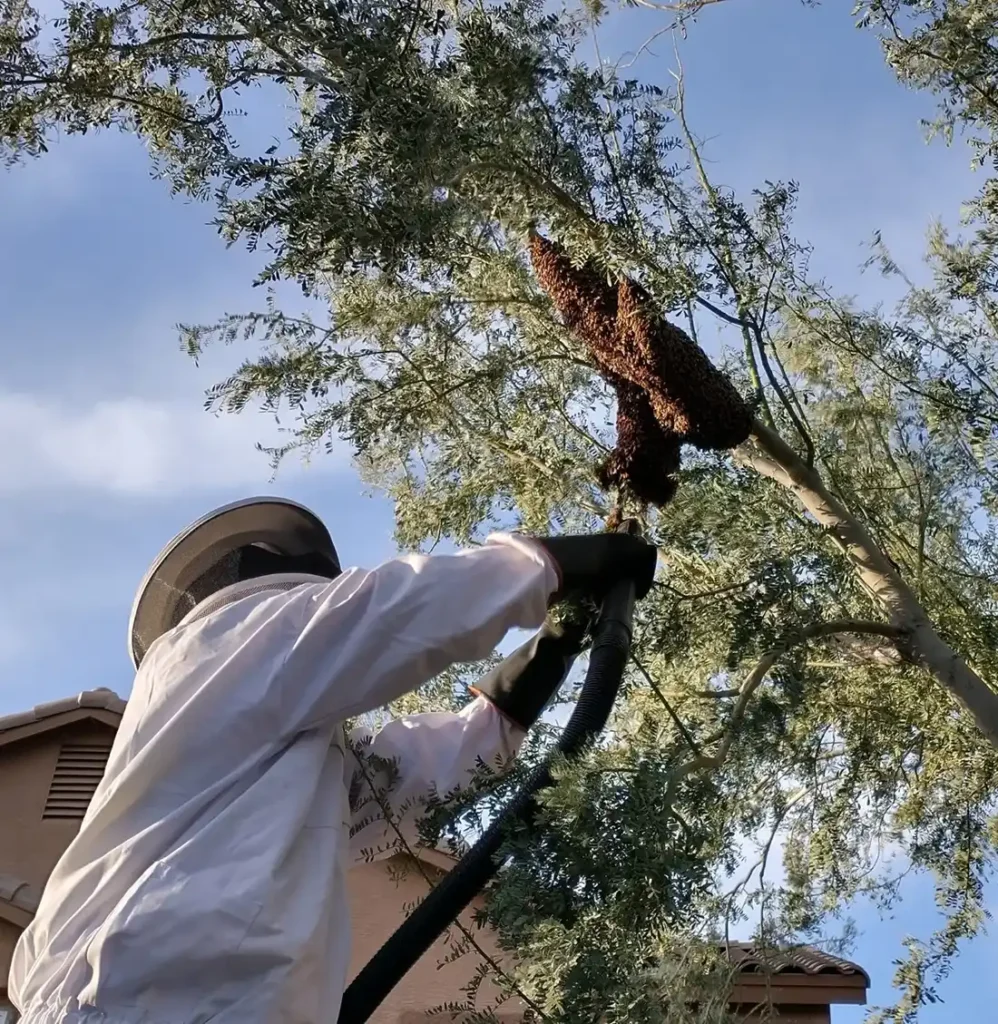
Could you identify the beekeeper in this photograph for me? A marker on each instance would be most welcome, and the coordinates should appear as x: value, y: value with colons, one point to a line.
x: 208, y: 879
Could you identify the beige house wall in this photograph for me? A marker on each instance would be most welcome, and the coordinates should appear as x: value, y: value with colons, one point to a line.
x: 377, y: 902
x: 31, y: 844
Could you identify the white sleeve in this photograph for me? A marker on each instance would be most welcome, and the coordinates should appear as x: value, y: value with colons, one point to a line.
x: 368, y: 637
x: 432, y: 755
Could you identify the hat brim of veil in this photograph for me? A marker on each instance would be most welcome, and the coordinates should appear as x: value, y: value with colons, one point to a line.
x: 285, y: 525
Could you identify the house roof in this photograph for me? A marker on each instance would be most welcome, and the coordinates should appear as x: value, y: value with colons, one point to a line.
x: 101, y: 704
x: 800, y: 960
x: 102, y: 698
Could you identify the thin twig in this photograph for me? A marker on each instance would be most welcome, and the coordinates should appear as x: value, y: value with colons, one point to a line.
x: 681, y: 596
x: 762, y: 668
x: 684, y: 732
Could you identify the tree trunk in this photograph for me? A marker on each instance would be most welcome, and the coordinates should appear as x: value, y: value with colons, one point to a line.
x: 922, y: 644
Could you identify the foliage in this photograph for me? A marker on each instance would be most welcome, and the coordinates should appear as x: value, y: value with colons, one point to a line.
x: 769, y: 701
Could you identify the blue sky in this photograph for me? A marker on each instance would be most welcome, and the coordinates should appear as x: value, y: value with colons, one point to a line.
x: 107, y: 452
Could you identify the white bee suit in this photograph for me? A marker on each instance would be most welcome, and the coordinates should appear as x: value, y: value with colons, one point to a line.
x: 208, y: 879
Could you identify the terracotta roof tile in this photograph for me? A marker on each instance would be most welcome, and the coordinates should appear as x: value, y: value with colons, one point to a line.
x: 101, y: 698
x: 800, y: 960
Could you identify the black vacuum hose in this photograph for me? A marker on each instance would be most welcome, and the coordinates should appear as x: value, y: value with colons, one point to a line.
x: 607, y: 660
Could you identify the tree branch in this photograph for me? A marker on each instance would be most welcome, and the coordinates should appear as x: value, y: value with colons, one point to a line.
x: 922, y: 644
x: 177, y: 37
x: 762, y: 667
x: 698, y: 595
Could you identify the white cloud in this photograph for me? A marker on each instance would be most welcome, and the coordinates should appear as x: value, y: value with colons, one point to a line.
x: 130, y: 446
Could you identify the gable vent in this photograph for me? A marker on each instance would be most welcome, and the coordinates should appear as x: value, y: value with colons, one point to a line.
x: 77, y: 773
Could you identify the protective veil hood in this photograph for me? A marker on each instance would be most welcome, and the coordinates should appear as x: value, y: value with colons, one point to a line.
x: 205, y: 557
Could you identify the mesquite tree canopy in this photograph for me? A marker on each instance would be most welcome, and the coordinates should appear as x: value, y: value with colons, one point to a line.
x: 816, y: 669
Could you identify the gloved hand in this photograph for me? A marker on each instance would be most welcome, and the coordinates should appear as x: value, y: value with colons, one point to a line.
x: 522, y: 685
x: 592, y: 563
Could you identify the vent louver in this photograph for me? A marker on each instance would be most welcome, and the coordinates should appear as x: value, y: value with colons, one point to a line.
x: 77, y: 774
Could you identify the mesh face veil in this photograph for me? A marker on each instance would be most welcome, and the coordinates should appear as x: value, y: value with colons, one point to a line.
x: 222, y: 574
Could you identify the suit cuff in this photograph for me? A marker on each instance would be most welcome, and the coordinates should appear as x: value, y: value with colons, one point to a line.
x: 537, y: 551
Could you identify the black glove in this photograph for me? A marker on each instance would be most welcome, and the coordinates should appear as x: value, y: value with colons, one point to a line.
x: 521, y: 685
x: 592, y: 563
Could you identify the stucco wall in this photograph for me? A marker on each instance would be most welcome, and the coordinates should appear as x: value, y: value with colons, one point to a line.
x: 31, y: 846
x: 377, y: 901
